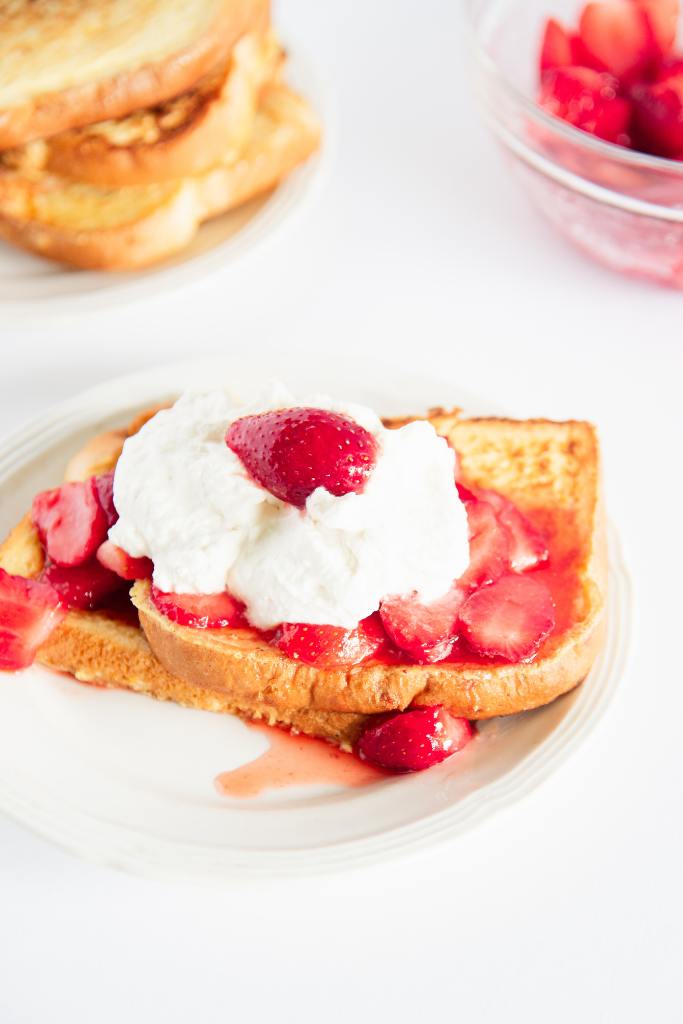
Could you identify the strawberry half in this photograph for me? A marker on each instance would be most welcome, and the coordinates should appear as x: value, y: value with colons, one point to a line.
x: 85, y: 587
x: 490, y: 544
x: 618, y: 36
x: 29, y: 611
x: 70, y: 521
x: 123, y: 564
x: 527, y: 546
x: 426, y: 632
x: 508, y: 619
x: 662, y: 21
x: 658, y: 116
x: 293, y: 451
x: 671, y: 67
x: 557, y: 47
x: 410, y: 741
x: 588, y: 100
x: 200, y: 611
x: 330, y: 646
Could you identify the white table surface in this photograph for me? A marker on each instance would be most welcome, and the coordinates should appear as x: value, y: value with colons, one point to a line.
x: 566, y: 907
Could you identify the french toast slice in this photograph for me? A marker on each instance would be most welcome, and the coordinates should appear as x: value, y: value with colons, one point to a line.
x: 135, y: 226
x: 550, y: 470
x: 207, y: 125
x: 69, y: 63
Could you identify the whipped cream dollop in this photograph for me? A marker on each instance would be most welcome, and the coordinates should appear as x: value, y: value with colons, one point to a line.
x: 186, y: 501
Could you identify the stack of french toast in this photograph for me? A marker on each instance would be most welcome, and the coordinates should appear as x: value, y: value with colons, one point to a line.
x: 124, y: 124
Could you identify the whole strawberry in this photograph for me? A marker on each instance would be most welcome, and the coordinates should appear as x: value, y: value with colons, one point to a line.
x: 410, y: 741
x: 292, y: 452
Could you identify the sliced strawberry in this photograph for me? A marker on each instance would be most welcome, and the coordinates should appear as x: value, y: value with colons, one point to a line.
x: 104, y: 485
x: 670, y: 67
x: 618, y: 36
x: 123, y: 564
x: 83, y: 586
x: 490, y: 544
x: 426, y: 632
x: 662, y: 20
x: 508, y: 619
x: 293, y: 451
x: 200, y: 611
x: 589, y: 100
x: 658, y: 116
x: 527, y: 546
x: 464, y: 493
x: 70, y: 521
x: 556, y: 46
x: 580, y: 55
x: 410, y: 741
x: 29, y: 611
x: 330, y: 646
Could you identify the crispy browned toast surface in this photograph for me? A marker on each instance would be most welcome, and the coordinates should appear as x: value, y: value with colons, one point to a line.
x: 137, y: 225
x: 551, y: 470
x: 208, y: 124
x: 65, y: 63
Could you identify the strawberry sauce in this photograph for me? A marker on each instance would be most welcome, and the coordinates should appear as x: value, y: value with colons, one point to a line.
x: 295, y: 760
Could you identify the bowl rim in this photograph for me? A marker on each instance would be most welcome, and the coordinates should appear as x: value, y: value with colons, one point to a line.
x: 611, y: 150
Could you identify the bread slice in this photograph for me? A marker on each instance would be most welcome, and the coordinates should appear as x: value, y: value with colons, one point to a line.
x: 65, y: 63
x: 135, y: 226
x: 550, y: 470
x: 208, y: 125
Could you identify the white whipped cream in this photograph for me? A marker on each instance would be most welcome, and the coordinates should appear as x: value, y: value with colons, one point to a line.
x: 186, y: 501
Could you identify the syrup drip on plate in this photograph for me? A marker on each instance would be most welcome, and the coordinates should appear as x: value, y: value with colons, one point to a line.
x: 295, y: 761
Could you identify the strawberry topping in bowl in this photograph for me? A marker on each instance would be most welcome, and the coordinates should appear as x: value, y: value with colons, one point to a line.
x: 589, y: 100
x: 617, y: 76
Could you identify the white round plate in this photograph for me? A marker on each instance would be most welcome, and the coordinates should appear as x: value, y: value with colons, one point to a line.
x: 33, y: 282
x: 124, y: 780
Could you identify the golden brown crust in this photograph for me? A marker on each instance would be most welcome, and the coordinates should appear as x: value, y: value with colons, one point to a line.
x: 247, y: 667
x: 21, y: 552
x: 99, y: 455
x: 138, y: 87
x: 134, y: 227
x: 98, y: 648
x: 207, y: 125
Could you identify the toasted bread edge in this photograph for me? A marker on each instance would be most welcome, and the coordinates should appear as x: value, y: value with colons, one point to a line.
x: 136, y: 88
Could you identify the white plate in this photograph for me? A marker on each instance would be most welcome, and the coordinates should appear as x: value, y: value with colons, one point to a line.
x: 28, y: 279
x: 127, y: 781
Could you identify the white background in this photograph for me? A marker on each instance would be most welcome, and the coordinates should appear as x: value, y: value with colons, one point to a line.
x: 420, y: 251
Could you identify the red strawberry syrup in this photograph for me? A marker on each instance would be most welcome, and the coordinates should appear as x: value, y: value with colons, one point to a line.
x: 295, y: 760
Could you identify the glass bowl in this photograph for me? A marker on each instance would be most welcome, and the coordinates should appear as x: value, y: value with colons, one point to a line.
x: 621, y: 207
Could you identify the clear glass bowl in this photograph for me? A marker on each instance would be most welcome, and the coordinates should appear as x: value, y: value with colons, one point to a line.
x: 623, y: 208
